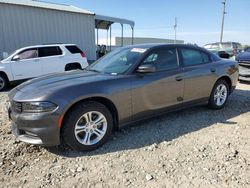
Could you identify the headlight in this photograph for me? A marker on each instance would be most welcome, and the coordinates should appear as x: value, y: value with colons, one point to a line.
x: 36, y: 107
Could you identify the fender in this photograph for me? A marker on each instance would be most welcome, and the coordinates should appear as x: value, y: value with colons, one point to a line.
x: 6, y: 69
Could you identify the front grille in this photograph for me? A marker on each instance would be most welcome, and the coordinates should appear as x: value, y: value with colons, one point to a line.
x: 244, y: 63
x: 16, y: 106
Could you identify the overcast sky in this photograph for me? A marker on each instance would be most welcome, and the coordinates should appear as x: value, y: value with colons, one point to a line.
x: 199, y: 21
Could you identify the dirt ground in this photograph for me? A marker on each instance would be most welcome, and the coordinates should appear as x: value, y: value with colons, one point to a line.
x: 196, y: 147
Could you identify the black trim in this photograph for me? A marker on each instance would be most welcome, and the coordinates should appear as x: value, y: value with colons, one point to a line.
x: 17, y: 82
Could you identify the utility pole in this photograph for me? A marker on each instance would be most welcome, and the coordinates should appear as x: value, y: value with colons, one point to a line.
x: 175, y: 29
x: 223, y: 17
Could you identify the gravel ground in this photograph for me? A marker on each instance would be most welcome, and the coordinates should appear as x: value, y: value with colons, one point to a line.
x: 197, y: 147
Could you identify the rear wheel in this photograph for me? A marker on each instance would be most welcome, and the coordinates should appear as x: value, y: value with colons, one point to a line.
x: 219, y: 95
x: 3, y: 82
x: 87, y: 126
x: 73, y: 66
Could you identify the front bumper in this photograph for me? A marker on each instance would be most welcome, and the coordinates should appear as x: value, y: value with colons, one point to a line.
x: 244, y: 71
x: 38, y: 129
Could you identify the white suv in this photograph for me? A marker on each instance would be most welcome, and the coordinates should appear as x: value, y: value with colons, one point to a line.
x: 34, y: 61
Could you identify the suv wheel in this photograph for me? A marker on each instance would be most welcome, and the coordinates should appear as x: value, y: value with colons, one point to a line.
x: 73, y: 66
x: 219, y: 95
x: 87, y: 126
x: 3, y: 82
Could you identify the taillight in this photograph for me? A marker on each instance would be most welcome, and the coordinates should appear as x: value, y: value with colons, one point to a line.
x: 83, y: 54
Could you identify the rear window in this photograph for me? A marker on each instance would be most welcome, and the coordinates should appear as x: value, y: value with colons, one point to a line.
x: 49, y: 51
x: 74, y: 49
x: 192, y: 57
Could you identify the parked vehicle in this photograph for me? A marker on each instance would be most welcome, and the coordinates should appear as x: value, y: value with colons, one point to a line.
x: 81, y: 108
x: 34, y: 61
x: 232, y: 48
x: 244, y: 65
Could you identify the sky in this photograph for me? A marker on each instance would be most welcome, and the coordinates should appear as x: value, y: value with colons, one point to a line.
x: 199, y: 21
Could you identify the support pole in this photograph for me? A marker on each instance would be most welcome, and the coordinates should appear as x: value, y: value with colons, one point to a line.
x: 223, y: 17
x: 107, y: 38
x: 122, y: 35
x: 97, y: 36
x: 132, y: 35
x: 175, y: 30
x: 110, y: 35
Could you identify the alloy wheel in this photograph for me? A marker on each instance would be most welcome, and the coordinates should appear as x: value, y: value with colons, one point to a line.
x: 220, y: 95
x: 90, y: 128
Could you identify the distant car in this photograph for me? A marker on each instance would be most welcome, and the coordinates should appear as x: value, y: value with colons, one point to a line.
x: 244, y: 65
x: 34, y: 61
x: 232, y: 48
x: 81, y: 108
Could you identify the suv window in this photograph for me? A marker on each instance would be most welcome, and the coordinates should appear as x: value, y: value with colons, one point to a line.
x: 74, y: 49
x: 49, y: 51
x: 193, y: 57
x: 28, y: 54
x: 163, y: 59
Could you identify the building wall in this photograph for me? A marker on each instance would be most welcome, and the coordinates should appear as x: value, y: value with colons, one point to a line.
x: 22, y: 26
x: 139, y: 40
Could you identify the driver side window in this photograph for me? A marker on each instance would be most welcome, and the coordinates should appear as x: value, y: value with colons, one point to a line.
x: 28, y: 54
x: 163, y: 59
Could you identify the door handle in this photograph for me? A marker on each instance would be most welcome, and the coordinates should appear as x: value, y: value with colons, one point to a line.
x: 213, y: 70
x: 179, y: 78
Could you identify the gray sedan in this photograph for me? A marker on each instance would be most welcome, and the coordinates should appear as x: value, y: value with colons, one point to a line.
x: 80, y: 109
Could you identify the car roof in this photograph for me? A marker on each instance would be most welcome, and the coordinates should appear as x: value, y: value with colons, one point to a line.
x: 153, y: 45
x: 48, y: 45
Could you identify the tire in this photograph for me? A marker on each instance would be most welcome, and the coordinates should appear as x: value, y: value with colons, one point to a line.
x: 219, y: 95
x: 81, y: 134
x: 3, y: 82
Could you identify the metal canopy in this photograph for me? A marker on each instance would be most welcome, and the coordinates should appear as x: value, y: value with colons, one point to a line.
x: 105, y: 22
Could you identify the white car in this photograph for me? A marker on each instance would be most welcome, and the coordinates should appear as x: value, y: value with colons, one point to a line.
x: 34, y: 61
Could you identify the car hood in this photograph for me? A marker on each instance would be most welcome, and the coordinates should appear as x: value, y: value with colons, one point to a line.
x: 244, y: 56
x: 61, y: 80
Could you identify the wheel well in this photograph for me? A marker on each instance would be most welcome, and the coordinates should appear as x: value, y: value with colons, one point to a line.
x: 5, y: 75
x: 106, y: 102
x: 75, y: 65
x: 228, y: 80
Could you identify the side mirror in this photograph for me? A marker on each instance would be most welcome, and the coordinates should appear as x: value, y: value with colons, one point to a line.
x: 223, y: 55
x: 16, y: 58
x: 148, y: 68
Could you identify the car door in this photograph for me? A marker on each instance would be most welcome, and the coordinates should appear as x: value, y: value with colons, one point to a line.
x: 199, y: 73
x: 153, y: 92
x: 26, y: 64
x: 52, y: 59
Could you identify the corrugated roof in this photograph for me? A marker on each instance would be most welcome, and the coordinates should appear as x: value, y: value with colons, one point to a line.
x: 47, y: 5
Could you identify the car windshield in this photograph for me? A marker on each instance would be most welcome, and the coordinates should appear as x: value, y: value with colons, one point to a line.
x: 226, y: 45
x: 8, y: 55
x: 117, y: 61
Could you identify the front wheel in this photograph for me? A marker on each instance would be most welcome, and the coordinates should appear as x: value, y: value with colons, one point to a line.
x: 3, y: 82
x: 219, y: 95
x: 87, y: 126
